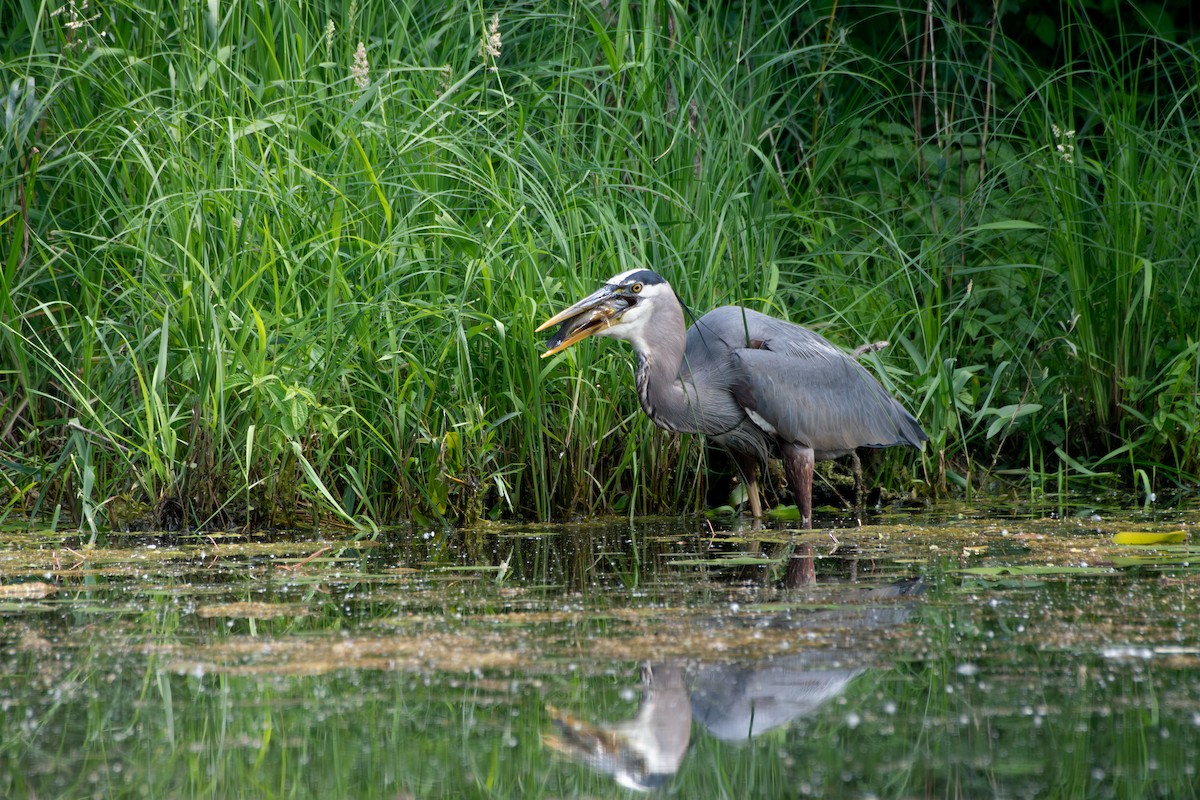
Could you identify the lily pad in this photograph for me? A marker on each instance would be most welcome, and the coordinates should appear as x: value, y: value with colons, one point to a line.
x: 1038, y: 569
x: 730, y: 561
x: 784, y: 513
x: 721, y: 511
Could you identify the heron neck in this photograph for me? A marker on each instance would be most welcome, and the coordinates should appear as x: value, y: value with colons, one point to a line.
x: 666, y: 397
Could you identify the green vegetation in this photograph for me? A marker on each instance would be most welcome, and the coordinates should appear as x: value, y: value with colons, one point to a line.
x: 270, y: 262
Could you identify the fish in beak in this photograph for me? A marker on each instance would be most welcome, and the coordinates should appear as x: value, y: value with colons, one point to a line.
x: 641, y: 753
x: 594, y: 313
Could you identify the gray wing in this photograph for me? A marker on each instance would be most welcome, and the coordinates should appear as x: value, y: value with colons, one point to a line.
x: 730, y: 328
x: 799, y: 387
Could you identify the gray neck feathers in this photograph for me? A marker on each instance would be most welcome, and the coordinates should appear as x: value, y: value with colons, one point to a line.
x: 671, y: 402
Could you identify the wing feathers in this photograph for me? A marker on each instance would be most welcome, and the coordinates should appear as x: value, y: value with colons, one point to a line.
x: 830, y: 404
x: 795, y: 384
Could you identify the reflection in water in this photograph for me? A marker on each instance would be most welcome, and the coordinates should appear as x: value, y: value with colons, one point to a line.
x: 1042, y: 661
x: 733, y: 702
x: 736, y: 702
x: 641, y: 753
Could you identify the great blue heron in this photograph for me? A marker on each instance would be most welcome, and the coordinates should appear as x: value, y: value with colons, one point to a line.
x: 733, y: 700
x: 757, y: 386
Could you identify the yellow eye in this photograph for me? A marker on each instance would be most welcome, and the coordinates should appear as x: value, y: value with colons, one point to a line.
x: 637, y: 287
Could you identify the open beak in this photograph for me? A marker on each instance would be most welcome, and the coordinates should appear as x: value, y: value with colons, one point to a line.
x: 599, y: 310
x: 642, y: 752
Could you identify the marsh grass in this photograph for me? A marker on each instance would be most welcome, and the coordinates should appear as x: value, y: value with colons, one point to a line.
x: 256, y: 273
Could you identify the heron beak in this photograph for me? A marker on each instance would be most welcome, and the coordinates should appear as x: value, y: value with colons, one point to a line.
x: 592, y: 314
x: 580, y: 739
x: 600, y: 747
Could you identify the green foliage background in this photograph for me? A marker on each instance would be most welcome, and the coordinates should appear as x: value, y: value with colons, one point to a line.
x: 243, y: 282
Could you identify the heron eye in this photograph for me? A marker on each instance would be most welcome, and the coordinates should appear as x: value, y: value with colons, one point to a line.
x: 636, y: 288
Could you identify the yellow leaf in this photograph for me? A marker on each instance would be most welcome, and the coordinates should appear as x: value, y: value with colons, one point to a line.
x: 1149, y: 537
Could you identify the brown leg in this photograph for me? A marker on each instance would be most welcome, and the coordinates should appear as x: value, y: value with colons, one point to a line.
x: 752, y: 494
x: 856, y: 463
x: 802, y: 568
x: 798, y: 463
x: 748, y: 466
x: 859, y: 488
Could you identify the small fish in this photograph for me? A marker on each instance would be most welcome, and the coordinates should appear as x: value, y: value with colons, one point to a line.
x: 584, y: 325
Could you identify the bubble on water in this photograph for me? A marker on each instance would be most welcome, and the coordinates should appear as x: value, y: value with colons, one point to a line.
x: 1126, y: 652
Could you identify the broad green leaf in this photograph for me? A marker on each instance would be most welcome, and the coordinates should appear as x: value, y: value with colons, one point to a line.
x: 1010, y: 225
x: 1008, y: 414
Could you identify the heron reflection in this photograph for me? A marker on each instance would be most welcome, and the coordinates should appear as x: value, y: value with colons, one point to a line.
x: 733, y: 702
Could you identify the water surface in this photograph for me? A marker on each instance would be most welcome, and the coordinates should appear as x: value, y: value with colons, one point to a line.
x: 965, y: 655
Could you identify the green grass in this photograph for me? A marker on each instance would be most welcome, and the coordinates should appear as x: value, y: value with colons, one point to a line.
x: 238, y: 286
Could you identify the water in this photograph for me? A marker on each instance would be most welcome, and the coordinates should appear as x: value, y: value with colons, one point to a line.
x: 959, y: 656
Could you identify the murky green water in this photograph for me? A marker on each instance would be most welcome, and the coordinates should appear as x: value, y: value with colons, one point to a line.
x: 980, y: 657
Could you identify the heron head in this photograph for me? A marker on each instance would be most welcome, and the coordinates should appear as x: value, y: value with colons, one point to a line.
x: 641, y: 753
x: 619, y: 309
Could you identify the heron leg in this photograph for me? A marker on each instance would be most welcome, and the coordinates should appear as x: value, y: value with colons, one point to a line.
x: 748, y: 466
x: 856, y: 463
x: 859, y: 488
x: 798, y: 461
x: 752, y: 495
x: 801, y: 568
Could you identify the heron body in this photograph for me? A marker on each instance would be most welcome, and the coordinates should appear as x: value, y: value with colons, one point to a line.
x: 757, y: 386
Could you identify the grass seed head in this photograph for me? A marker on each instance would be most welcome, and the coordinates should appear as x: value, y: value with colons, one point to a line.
x: 489, y: 49
x: 362, y: 67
